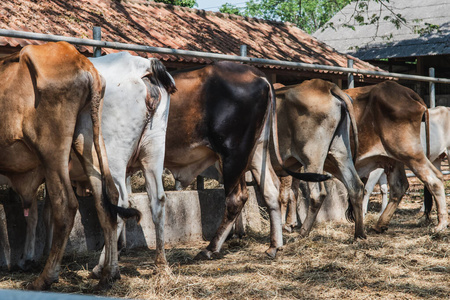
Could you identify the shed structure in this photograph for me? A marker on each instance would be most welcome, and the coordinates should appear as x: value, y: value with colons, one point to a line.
x: 160, y: 25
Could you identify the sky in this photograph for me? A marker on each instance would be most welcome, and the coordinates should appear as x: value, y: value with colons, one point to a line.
x: 214, y: 5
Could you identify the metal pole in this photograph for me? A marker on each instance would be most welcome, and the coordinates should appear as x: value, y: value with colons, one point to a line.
x: 432, y: 89
x: 243, y: 50
x: 97, y: 35
x: 217, y: 56
x: 350, y: 79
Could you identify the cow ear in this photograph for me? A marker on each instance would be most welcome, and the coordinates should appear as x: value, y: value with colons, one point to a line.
x: 153, y: 96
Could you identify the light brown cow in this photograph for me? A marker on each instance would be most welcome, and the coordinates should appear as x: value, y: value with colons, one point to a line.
x: 314, y: 122
x: 388, y: 117
x: 42, y: 90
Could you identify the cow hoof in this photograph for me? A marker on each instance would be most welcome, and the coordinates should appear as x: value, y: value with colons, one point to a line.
x: 380, y: 229
x: 302, y: 235
x: 207, y: 255
x: 287, y: 228
x: 272, y: 252
x: 162, y: 270
x: 38, y: 284
x: 204, y: 255
x: 160, y: 261
x: 440, y: 227
x: 362, y: 236
x: 104, y: 284
x: 96, y: 273
x: 115, y: 275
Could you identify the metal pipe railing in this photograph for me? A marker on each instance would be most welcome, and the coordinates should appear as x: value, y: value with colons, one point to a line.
x: 215, y: 56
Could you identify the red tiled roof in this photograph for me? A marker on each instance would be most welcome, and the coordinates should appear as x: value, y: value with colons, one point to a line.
x: 160, y: 25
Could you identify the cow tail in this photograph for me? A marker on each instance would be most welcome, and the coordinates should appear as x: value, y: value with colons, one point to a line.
x: 109, y: 190
x: 347, y: 111
x: 160, y: 76
x: 348, y: 101
x: 314, y: 177
x: 428, y: 198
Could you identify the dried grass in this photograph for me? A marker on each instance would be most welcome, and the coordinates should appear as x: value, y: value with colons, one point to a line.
x: 409, y: 261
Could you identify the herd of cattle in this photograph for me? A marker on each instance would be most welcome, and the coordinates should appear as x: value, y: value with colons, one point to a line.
x: 71, y: 120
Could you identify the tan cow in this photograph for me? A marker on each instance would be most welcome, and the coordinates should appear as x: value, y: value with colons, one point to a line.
x: 439, y: 148
x: 389, y: 118
x: 314, y: 122
x: 42, y: 90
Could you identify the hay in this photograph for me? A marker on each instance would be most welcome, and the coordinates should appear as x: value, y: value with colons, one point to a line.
x: 409, y: 261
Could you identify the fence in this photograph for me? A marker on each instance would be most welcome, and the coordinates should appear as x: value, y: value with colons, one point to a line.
x: 97, y: 43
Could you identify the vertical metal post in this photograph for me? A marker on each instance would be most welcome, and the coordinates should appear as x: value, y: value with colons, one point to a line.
x: 350, y: 79
x: 432, y: 89
x: 97, y: 35
x: 243, y: 50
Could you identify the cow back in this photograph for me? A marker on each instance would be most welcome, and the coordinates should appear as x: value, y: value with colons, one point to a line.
x: 217, y: 110
x: 385, y: 113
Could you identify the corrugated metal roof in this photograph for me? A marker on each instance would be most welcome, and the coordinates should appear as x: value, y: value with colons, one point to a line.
x: 367, y: 41
x: 160, y: 25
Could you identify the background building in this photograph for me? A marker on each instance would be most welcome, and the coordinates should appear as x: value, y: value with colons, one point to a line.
x: 408, y: 49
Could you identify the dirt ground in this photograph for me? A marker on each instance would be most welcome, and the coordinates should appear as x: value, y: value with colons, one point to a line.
x: 409, y: 261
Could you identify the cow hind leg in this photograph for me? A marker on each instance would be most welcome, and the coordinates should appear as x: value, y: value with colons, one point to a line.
x: 97, y: 272
x: 234, y: 203
x: 4, y: 237
x: 108, y: 267
x: 428, y: 197
x: 372, y: 180
x: 27, y: 261
x: 347, y: 174
x: 284, y: 199
x: 291, y: 218
x: 384, y: 191
x: 155, y: 191
x: 26, y: 186
x: 317, y: 194
x: 268, y: 184
x: 433, y: 180
x: 48, y: 224
x: 398, y: 183
x: 64, y: 206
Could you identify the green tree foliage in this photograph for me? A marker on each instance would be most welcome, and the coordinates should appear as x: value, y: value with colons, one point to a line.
x: 307, y: 14
x: 186, y: 3
x: 310, y: 15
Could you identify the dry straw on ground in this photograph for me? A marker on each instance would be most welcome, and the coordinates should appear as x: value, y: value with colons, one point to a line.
x: 407, y: 262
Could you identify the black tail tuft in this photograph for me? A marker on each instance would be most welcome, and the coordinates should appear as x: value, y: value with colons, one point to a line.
x: 126, y: 213
x: 161, y: 76
x: 115, y: 210
x: 428, y: 201
x: 350, y: 212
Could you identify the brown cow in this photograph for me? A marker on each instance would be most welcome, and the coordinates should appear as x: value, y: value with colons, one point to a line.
x: 42, y: 91
x: 314, y: 122
x: 388, y: 118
